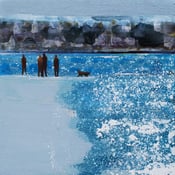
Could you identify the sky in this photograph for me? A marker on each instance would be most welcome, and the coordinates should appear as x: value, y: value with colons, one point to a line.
x: 87, y: 7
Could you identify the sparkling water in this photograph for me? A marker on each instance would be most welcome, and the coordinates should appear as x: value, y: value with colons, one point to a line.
x: 126, y: 108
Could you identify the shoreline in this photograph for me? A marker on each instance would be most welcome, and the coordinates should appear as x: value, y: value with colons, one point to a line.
x: 36, y: 130
x: 99, y: 52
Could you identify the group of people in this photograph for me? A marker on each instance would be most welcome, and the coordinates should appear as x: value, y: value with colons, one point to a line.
x: 42, y: 65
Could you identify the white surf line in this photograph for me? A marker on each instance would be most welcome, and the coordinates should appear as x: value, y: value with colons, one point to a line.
x: 35, y: 133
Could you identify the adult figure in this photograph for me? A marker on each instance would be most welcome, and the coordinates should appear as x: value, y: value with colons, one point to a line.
x: 44, y: 64
x: 56, y: 66
x: 40, y: 66
x: 23, y: 63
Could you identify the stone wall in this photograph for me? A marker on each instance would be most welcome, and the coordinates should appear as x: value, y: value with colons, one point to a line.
x: 100, y: 35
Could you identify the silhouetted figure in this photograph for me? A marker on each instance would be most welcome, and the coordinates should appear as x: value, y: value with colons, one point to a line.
x: 23, y: 63
x: 40, y: 66
x: 56, y: 66
x: 82, y: 73
x: 44, y: 64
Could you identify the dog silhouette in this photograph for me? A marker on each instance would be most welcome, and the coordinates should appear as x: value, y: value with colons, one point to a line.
x: 83, y: 73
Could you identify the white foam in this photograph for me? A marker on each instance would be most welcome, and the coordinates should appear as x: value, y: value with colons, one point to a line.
x: 171, y: 138
x: 147, y: 128
x: 158, y: 169
x: 35, y: 132
x: 154, y: 169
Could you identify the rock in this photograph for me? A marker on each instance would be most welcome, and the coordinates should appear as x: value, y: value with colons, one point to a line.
x: 27, y: 27
x: 5, y: 34
x: 51, y: 43
x: 76, y: 45
x: 86, y: 28
x: 80, y: 39
x: 29, y: 43
x: 16, y: 29
x: 123, y: 42
x: 71, y: 34
x: 35, y: 28
x: 169, y: 42
x: 167, y: 27
x: 98, y: 28
x: 44, y: 32
x: 146, y: 35
x: 129, y: 42
x: 10, y: 45
x: 89, y: 37
x: 116, y: 29
x: 91, y: 33
x: 101, y: 40
x: 117, y: 42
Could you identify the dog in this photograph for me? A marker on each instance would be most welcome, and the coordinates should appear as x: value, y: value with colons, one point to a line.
x: 82, y: 73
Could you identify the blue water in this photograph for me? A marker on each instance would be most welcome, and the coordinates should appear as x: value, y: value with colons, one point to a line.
x: 126, y: 107
x: 97, y: 64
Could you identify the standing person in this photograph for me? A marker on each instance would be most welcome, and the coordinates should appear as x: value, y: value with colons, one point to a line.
x: 40, y: 66
x: 56, y: 66
x: 23, y: 63
x: 44, y: 64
